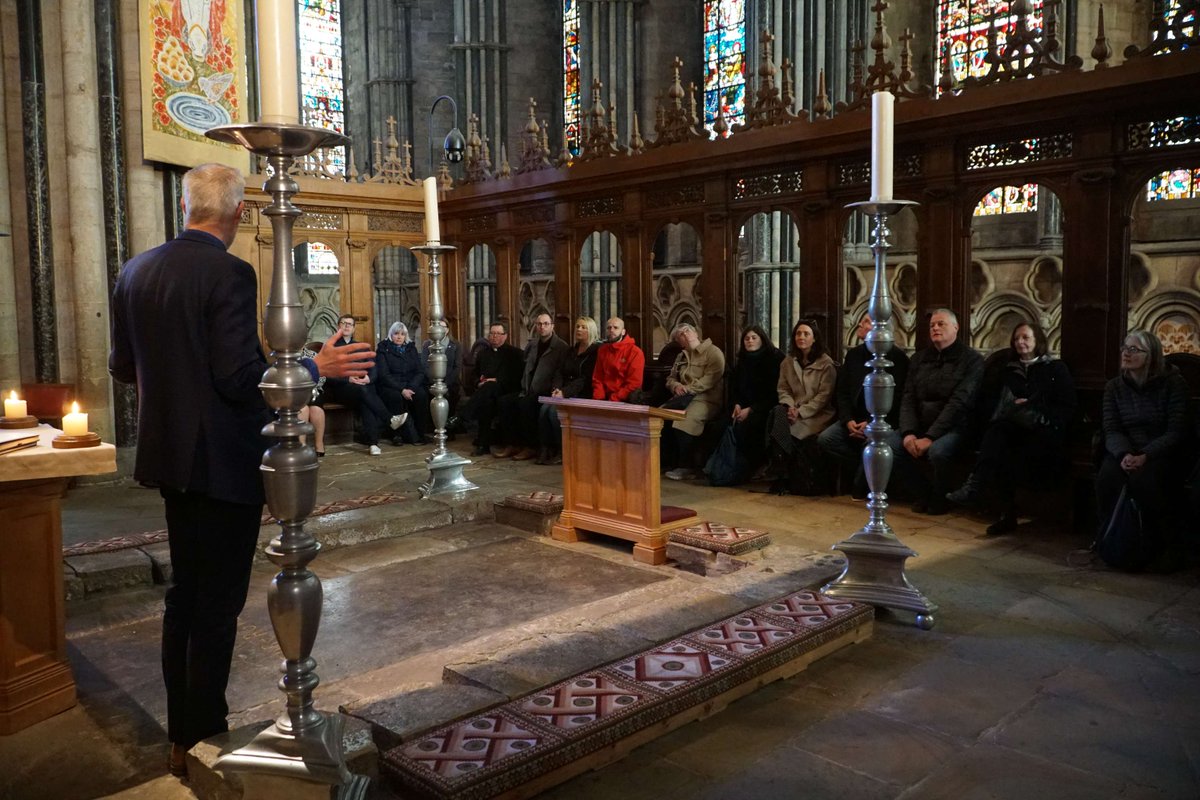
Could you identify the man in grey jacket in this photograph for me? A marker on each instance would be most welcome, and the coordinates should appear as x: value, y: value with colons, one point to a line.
x: 938, y: 396
x: 518, y: 416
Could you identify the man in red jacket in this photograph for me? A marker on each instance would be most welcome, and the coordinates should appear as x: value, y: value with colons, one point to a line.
x: 619, y: 365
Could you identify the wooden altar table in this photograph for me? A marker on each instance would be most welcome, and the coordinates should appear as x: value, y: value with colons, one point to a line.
x: 35, y: 676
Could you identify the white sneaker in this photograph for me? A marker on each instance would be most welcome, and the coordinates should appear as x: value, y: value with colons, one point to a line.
x: 398, y: 420
x: 678, y: 474
x: 375, y: 451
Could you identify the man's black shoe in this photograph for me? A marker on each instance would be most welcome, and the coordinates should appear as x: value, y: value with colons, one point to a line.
x: 479, y: 450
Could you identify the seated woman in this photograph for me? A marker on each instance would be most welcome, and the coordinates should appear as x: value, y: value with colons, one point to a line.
x: 1145, y: 427
x: 805, y: 389
x: 400, y: 379
x: 753, y: 392
x: 697, y: 388
x: 1026, y: 435
x: 577, y: 370
x: 313, y: 412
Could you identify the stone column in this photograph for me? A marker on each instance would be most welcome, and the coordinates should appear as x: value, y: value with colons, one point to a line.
x: 88, y: 270
x: 37, y: 193
x: 10, y: 364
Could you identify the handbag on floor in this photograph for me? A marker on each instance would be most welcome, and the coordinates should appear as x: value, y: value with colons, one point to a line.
x: 1125, y: 542
x: 727, y: 466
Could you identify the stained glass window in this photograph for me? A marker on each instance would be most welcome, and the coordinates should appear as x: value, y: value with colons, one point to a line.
x: 571, y: 99
x: 321, y: 259
x: 1008, y: 200
x: 963, y: 33
x: 320, y: 33
x: 1171, y: 9
x: 1174, y: 184
x: 724, y: 61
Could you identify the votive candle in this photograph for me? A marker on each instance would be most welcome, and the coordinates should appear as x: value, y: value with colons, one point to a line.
x: 14, y: 407
x: 75, y: 423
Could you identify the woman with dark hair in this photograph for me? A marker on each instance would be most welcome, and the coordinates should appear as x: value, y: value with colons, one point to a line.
x: 1026, y: 434
x: 805, y: 391
x: 1145, y: 427
x: 402, y: 384
x: 753, y: 393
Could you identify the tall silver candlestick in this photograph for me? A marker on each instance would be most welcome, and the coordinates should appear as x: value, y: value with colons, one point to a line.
x: 445, y: 467
x: 875, y: 556
x: 302, y: 743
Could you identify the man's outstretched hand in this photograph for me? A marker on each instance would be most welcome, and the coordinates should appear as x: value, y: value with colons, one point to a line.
x: 348, y: 361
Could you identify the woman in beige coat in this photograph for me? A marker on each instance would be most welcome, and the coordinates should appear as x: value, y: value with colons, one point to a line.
x: 806, y: 381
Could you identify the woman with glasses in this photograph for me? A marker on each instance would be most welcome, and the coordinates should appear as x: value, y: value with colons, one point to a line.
x: 1145, y: 426
x: 1026, y: 435
x: 805, y: 389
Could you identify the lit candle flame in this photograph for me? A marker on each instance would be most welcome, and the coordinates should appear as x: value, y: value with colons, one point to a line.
x: 74, y: 408
x: 12, y: 395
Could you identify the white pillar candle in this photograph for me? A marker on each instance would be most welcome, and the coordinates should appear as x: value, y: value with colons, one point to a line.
x: 433, y: 233
x: 278, y: 77
x: 882, y: 106
x: 14, y: 407
x: 75, y: 423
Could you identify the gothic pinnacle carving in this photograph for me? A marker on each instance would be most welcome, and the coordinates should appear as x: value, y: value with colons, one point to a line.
x: 1101, y: 51
x: 881, y: 75
x: 672, y: 122
x: 1024, y: 53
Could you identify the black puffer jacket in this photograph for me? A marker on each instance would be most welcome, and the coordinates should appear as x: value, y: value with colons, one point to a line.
x: 940, y: 390
x: 399, y: 366
x: 577, y: 372
x: 1149, y: 419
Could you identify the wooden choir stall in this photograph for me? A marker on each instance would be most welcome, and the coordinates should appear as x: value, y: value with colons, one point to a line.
x: 611, y: 475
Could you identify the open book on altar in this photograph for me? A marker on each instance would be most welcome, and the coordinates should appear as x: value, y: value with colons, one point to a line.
x: 11, y: 440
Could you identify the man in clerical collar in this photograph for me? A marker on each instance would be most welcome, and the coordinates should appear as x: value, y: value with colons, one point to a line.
x: 500, y: 367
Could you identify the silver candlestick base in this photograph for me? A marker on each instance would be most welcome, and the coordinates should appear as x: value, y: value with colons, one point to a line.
x: 302, y: 743
x: 875, y: 556
x: 445, y: 467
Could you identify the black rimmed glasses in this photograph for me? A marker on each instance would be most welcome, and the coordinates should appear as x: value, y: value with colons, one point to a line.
x: 1130, y: 350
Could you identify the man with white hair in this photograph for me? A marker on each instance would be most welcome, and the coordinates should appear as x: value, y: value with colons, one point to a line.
x: 185, y: 330
x: 696, y: 386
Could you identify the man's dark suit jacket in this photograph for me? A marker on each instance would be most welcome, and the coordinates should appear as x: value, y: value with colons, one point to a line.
x: 185, y: 330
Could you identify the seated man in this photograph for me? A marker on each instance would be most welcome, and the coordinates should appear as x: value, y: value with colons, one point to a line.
x: 359, y: 395
x: 938, y: 396
x: 518, y: 420
x: 499, y: 369
x: 619, y: 365
x: 844, y: 440
x: 696, y: 385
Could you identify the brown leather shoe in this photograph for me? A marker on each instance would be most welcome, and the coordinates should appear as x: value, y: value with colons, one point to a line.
x: 177, y: 761
x: 503, y: 451
x: 525, y: 454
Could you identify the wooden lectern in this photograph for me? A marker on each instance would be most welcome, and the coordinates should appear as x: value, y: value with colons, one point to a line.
x: 610, y: 475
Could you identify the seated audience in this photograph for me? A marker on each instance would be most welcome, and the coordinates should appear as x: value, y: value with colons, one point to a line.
x: 939, y: 394
x: 696, y: 384
x: 752, y: 388
x: 359, y: 395
x: 620, y: 365
x: 577, y: 370
x: 499, y: 367
x: 844, y: 441
x: 1145, y: 427
x: 805, y: 392
x: 313, y: 413
x: 518, y: 419
x: 1026, y: 436
x: 401, y: 383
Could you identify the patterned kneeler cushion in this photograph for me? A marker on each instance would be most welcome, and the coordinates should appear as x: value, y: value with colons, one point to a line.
x: 540, y: 502
x: 505, y: 747
x: 721, y: 538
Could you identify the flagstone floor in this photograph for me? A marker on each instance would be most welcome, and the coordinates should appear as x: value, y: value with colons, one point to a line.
x: 1042, y: 677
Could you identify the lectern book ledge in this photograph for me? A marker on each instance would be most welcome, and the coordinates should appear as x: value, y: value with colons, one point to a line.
x: 611, y: 475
